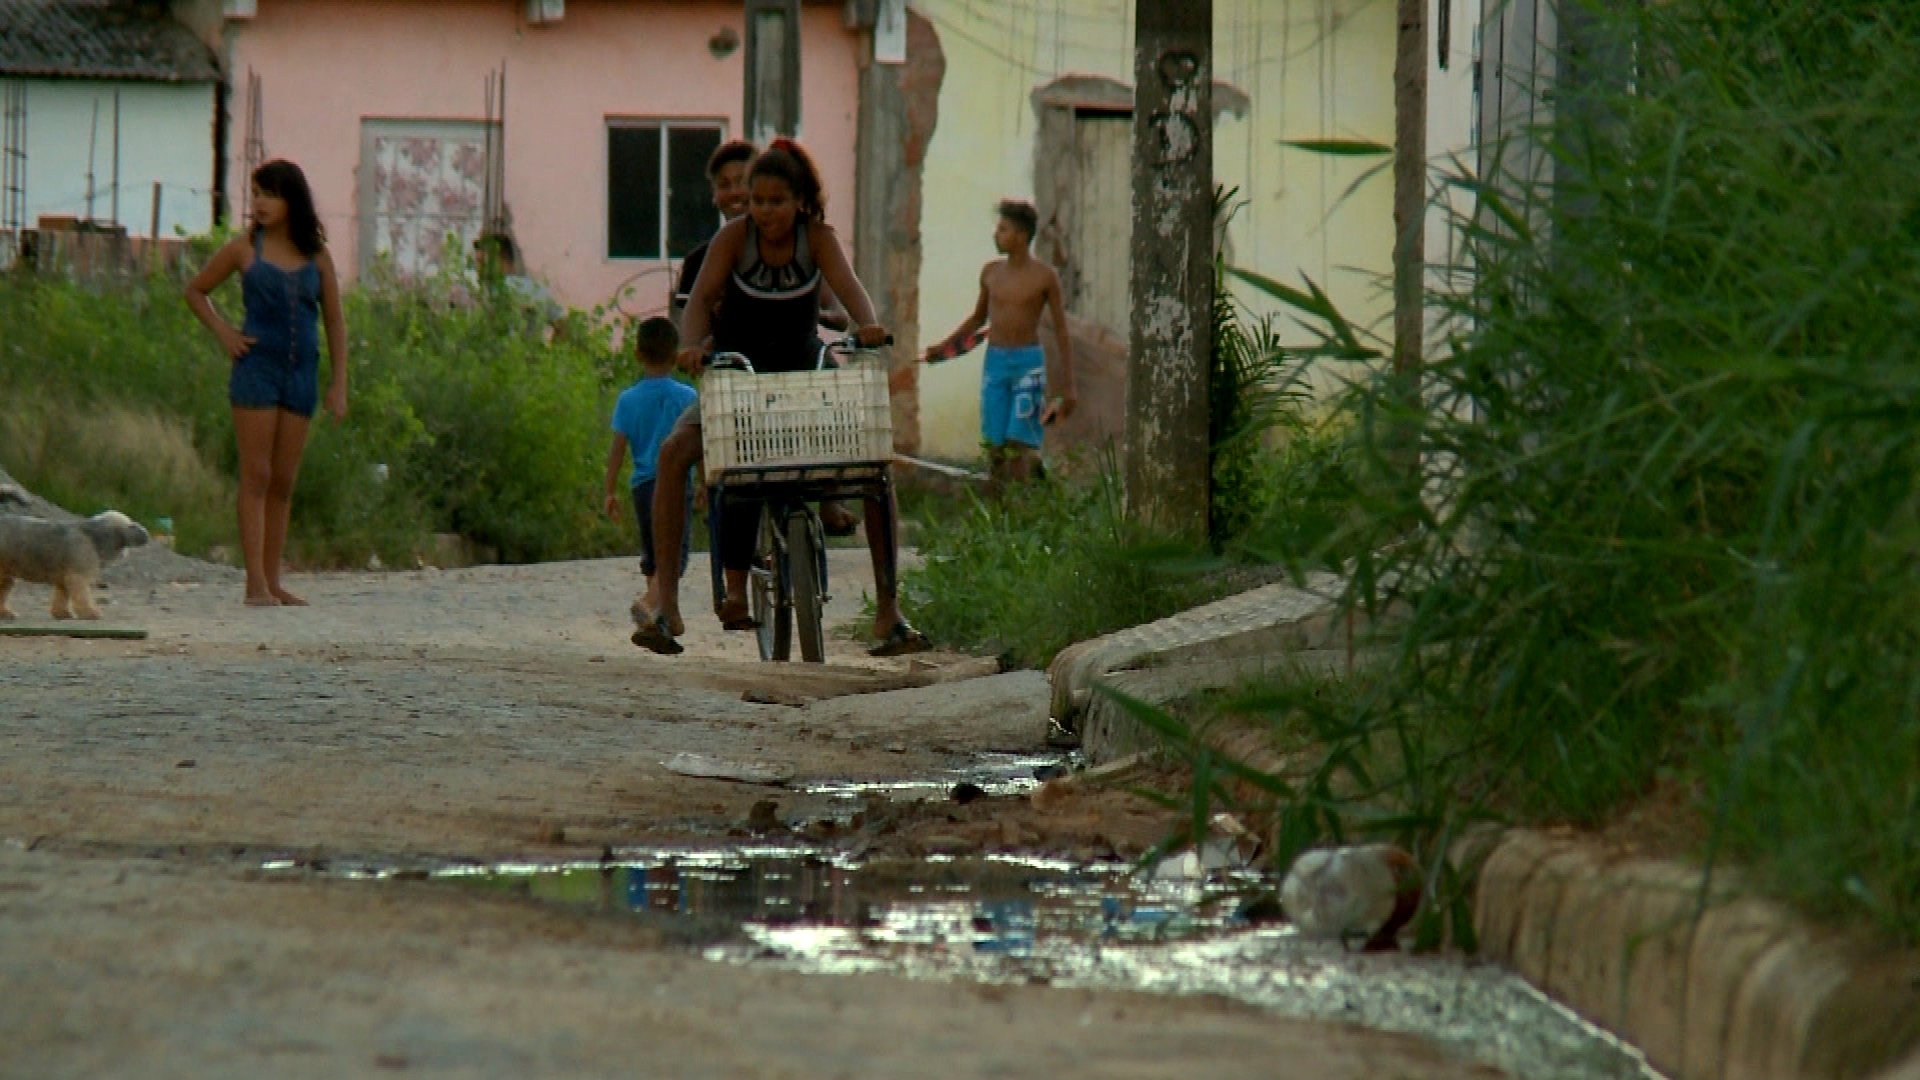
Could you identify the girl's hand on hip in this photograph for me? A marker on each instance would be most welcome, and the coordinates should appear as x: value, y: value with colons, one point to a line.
x: 236, y: 343
x: 337, y: 403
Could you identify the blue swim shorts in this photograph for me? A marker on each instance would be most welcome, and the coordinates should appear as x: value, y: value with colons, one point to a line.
x: 1013, y: 393
x: 260, y: 382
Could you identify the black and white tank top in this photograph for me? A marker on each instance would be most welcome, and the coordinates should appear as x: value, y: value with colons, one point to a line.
x: 772, y: 313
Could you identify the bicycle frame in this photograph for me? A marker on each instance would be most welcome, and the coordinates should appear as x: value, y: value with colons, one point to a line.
x: 784, y: 496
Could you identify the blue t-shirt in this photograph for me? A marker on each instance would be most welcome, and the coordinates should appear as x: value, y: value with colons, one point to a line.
x: 645, y: 414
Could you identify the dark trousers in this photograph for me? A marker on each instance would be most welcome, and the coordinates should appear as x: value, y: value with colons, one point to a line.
x: 643, y: 514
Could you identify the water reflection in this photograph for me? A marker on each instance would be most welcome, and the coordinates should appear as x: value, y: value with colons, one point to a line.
x: 999, y: 905
x: 1005, y: 919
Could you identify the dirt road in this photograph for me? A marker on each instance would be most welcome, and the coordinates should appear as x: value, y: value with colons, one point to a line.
x: 487, y: 713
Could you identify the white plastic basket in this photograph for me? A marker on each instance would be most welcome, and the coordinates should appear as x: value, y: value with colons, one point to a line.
x: 830, y: 417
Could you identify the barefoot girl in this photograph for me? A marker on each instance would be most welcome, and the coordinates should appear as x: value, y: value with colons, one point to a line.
x: 287, y: 281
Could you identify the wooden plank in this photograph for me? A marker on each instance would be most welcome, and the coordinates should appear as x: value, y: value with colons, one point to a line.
x: 76, y: 630
x: 1103, y: 251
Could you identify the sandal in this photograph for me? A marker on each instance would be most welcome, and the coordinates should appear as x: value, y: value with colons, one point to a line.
x: 902, y: 640
x: 652, y: 634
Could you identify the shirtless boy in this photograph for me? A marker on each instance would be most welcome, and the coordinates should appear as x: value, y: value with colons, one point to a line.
x: 1014, y: 290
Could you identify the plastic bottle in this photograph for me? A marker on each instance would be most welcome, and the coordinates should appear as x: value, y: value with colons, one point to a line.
x: 1364, y: 893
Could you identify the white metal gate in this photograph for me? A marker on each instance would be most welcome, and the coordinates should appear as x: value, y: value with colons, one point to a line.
x: 421, y: 183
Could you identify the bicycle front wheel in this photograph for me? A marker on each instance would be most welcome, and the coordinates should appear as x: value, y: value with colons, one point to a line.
x: 768, y: 589
x: 804, y: 549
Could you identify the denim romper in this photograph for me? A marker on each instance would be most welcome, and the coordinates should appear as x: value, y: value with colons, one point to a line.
x: 282, y: 370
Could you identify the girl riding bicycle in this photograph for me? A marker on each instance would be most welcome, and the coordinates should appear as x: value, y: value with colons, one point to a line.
x: 758, y: 294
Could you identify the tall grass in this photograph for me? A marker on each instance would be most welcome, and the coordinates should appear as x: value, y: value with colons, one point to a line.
x: 111, y: 456
x: 1665, y: 516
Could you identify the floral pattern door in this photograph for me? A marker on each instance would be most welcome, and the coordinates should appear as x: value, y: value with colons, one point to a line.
x: 421, y: 181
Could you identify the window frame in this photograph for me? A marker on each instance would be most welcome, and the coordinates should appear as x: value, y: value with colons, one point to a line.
x: 664, y: 125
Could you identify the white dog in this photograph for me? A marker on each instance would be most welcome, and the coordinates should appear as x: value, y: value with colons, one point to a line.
x: 68, y: 556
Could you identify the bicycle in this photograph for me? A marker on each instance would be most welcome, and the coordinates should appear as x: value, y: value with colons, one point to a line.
x: 780, y: 443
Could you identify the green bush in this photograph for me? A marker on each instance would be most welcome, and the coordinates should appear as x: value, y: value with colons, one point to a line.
x: 1666, y: 506
x: 484, y: 429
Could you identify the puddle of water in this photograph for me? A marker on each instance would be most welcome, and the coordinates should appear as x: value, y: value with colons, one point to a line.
x: 1005, y: 919
x: 994, y: 774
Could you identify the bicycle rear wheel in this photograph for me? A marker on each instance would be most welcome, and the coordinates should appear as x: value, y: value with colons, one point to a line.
x: 804, y: 550
x: 768, y: 590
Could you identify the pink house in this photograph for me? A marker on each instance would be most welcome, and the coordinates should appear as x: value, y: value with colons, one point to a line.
x: 607, y: 109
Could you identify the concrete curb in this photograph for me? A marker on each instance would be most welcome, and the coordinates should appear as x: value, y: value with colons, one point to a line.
x: 1742, y: 989
x: 1109, y: 732
x: 1258, y: 627
x: 1732, y: 988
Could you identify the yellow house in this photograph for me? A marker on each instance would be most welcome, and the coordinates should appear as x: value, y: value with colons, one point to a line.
x: 1036, y: 102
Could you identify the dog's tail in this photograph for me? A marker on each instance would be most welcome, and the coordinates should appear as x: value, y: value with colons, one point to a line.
x: 14, y: 496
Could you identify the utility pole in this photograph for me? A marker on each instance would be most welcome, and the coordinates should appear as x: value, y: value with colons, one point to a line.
x: 772, y: 105
x: 1171, y: 285
x: 1409, y: 213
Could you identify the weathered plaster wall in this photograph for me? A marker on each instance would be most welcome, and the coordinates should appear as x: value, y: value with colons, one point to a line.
x: 1311, y: 69
x: 327, y: 64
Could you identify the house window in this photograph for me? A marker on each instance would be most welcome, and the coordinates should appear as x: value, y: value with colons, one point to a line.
x: 658, y: 202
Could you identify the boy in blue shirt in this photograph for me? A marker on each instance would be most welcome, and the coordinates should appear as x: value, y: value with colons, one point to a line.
x: 642, y: 418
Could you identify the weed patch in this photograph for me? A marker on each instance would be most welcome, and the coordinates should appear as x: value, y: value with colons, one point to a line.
x: 1664, y: 521
x: 1050, y: 564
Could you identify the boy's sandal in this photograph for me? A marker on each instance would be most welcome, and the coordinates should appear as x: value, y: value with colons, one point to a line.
x: 652, y: 634
x: 902, y: 640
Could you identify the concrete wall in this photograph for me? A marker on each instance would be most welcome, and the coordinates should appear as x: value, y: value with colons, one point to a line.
x: 325, y: 65
x: 1312, y: 69
x: 166, y: 135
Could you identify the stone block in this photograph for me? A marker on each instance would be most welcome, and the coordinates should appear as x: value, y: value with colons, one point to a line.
x: 1501, y: 892
x: 1729, y: 938
x: 1906, y: 1070
x: 1773, y: 1013
x: 1657, y: 902
x: 1586, y: 969
x: 1870, y: 1019
x: 1536, y: 934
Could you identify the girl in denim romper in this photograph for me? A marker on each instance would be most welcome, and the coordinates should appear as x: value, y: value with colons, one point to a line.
x: 288, y: 284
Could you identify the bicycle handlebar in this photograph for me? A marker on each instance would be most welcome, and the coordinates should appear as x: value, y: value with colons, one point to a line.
x: 733, y: 361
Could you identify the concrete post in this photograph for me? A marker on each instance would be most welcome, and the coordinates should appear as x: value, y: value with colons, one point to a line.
x: 1167, y: 469
x: 899, y: 106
